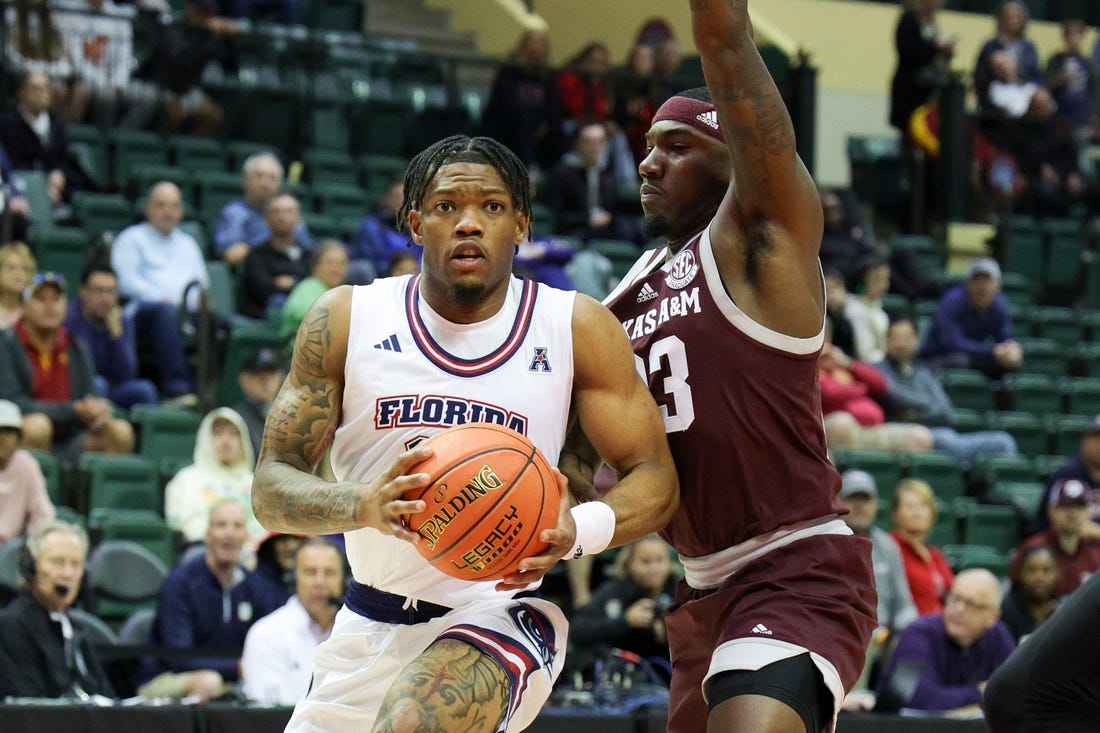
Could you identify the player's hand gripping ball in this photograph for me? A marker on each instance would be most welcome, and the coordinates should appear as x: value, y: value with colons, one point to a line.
x: 491, y: 495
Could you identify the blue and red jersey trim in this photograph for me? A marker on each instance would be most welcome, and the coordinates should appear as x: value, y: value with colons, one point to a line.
x: 457, y: 366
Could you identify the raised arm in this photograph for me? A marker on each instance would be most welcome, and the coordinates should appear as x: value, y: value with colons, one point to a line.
x: 619, y: 417
x: 770, y: 223
x: 286, y: 495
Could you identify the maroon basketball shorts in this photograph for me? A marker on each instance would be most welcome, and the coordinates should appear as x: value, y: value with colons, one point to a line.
x: 814, y: 595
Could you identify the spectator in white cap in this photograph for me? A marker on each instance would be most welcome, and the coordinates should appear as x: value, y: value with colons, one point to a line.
x: 859, y: 493
x: 1076, y: 556
x: 972, y: 326
x: 24, y: 502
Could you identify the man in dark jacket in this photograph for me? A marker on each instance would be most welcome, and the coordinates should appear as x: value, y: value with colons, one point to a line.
x: 51, y: 377
x: 583, y: 191
x: 34, y: 138
x: 272, y: 269
x: 43, y: 651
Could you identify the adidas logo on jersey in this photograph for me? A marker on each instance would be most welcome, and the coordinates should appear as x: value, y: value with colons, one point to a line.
x: 390, y: 344
x: 761, y: 629
x: 646, y: 293
x: 709, y: 119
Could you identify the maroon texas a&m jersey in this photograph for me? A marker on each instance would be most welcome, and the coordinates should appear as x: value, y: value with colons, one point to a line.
x: 741, y: 404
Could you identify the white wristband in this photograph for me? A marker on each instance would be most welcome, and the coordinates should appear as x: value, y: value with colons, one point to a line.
x: 595, y: 522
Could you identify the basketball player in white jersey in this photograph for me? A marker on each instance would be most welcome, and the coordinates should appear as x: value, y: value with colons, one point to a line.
x: 377, y: 369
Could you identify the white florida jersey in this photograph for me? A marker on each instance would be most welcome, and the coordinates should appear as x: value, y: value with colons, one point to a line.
x: 410, y: 374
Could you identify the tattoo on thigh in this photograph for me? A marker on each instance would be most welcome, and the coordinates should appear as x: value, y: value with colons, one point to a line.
x: 452, y: 686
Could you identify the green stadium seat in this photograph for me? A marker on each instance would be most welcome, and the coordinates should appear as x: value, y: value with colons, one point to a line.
x: 1081, y: 395
x: 1064, y: 242
x: 330, y: 166
x: 942, y: 472
x: 1024, y: 253
x: 198, y: 154
x: 198, y: 230
x: 1084, y: 359
x: 166, y: 432
x: 89, y: 145
x: 1047, y: 464
x: 51, y: 471
x: 1036, y: 393
x: 884, y: 467
x: 35, y: 188
x: 103, y: 212
x: 991, y: 525
x: 123, y: 577
x: 968, y: 421
x: 325, y: 226
x: 1031, y: 435
x: 328, y: 128
x: 1065, y: 432
x: 133, y: 148
x: 991, y: 469
x: 945, y: 529
x: 335, y: 15
x: 1018, y: 288
x: 63, y: 250
x: 876, y: 171
x: 896, y: 305
x: 1063, y: 325
x: 146, y: 528
x: 968, y: 389
x: 929, y: 253
x: 1044, y: 356
x: 337, y: 200
x: 1023, y: 495
x: 967, y: 557
x: 380, y: 169
x: 381, y: 127
x: 214, y: 191
x: 244, y: 339
x: 223, y: 288
x: 121, y: 482
x: 269, y: 115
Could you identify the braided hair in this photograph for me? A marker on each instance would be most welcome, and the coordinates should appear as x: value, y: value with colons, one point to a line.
x: 462, y: 149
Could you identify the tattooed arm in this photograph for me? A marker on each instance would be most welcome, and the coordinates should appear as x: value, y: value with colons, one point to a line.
x: 286, y: 495
x: 769, y: 225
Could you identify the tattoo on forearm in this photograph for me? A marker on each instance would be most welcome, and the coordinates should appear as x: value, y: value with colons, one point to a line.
x: 300, y: 426
x: 451, y: 686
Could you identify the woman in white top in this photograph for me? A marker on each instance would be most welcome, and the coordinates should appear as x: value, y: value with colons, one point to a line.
x: 864, y: 311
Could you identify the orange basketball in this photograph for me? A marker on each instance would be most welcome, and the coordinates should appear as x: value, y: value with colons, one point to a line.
x: 492, y: 493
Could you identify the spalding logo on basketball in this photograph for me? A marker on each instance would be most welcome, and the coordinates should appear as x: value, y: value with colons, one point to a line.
x: 492, y: 493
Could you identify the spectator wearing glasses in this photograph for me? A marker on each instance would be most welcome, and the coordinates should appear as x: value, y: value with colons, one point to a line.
x: 943, y: 660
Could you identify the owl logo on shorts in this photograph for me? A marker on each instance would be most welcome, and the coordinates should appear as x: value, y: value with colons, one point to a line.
x: 538, y: 630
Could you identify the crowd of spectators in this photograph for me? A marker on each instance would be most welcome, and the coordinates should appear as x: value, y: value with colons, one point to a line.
x: 70, y: 367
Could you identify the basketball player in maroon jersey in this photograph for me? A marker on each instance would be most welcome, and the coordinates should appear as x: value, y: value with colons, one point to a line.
x: 770, y: 627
